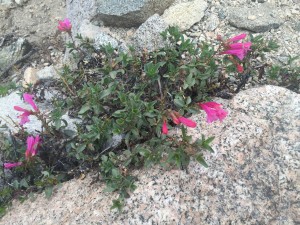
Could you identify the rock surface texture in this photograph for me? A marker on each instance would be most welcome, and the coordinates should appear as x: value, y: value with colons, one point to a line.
x: 11, y: 50
x: 129, y: 13
x: 148, y: 35
x: 253, y: 177
x: 186, y: 14
x: 256, y: 19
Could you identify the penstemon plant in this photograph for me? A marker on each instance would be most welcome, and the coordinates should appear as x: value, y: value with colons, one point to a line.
x: 127, y: 103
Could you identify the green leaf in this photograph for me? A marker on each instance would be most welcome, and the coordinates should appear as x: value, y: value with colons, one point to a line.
x: 115, y: 172
x: 106, y: 92
x: 113, y: 74
x: 84, y: 109
x: 48, y: 192
x: 80, y: 148
x: 179, y: 102
x: 23, y: 183
x: 200, y: 159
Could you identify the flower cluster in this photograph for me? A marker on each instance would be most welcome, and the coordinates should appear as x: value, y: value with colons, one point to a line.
x: 232, y: 47
x: 213, y: 111
x: 32, y: 142
x: 31, y: 150
x: 65, y: 25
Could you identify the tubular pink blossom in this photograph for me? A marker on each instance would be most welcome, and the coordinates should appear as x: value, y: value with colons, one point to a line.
x: 240, y: 53
x: 238, y: 37
x: 237, y: 49
x: 32, y: 144
x: 174, y: 118
x: 29, y: 99
x: 187, y: 122
x: 11, y: 165
x: 24, y: 116
x: 213, y: 111
x: 239, y: 68
x: 165, y: 128
x: 246, y: 46
x: 65, y: 25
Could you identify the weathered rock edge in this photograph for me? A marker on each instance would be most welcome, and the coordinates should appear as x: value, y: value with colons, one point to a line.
x: 253, y: 177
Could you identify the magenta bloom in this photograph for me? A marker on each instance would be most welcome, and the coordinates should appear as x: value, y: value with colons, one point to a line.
x: 239, y: 68
x: 164, y: 128
x: 29, y: 99
x: 238, y: 37
x: 26, y: 113
x: 24, y: 116
x: 187, y: 122
x: 237, y: 49
x: 32, y: 144
x: 213, y: 111
x: 65, y: 25
x: 11, y: 165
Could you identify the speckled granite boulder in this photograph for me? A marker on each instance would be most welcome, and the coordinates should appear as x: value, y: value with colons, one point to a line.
x: 129, y: 13
x: 253, y: 177
x: 260, y: 19
x: 148, y: 34
x: 12, y: 49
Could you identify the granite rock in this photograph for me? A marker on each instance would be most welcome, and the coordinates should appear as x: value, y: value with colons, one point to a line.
x: 253, y: 176
x: 185, y: 14
x: 12, y: 49
x: 97, y: 34
x: 5, y: 4
x: 148, y: 35
x: 257, y: 19
x: 7, y: 113
x: 78, y: 11
x: 129, y: 13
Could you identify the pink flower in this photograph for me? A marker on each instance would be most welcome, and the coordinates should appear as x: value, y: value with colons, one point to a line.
x: 24, y: 116
x: 175, y: 117
x: 214, y: 111
x: 239, y: 68
x: 29, y: 99
x: 238, y: 37
x: 26, y: 113
x: 164, y: 128
x: 11, y: 165
x: 238, y: 49
x: 65, y: 25
x: 187, y: 122
x: 32, y: 144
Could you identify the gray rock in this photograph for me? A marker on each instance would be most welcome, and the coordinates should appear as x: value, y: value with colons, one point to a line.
x: 261, y: 19
x: 296, y: 26
x: 212, y: 22
x: 78, y: 10
x: 48, y: 72
x: 12, y: 49
x: 148, y: 35
x: 7, y: 113
x: 186, y: 14
x: 129, y: 13
x: 5, y: 4
x: 21, y: 2
x: 98, y: 35
x: 252, y: 178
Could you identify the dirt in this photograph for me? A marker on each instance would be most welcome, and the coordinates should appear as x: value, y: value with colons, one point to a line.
x: 36, y: 21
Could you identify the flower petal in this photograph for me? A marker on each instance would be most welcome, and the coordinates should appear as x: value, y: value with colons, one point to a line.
x: 238, y: 37
x: 29, y: 99
x: 187, y: 122
x: 165, y: 128
x: 11, y: 165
